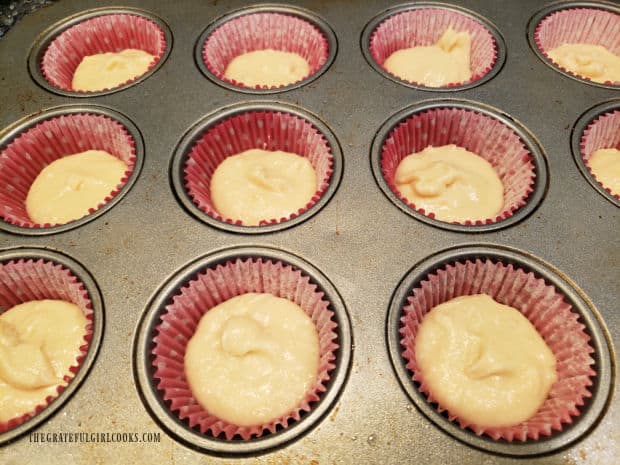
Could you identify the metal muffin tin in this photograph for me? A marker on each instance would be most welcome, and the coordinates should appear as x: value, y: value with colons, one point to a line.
x: 578, y: 130
x: 546, y: 11
x: 144, y: 345
x: 32, y: 253
x: 601, y: 388
x: 359, y: 240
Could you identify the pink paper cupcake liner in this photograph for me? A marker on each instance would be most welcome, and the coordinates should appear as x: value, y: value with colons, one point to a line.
x: 483, y: 135
x: 205, y: 291
x: 102, y: 34
x: 260, y: 31
x: 602, y: 133
x: 543, y: 306
x: 424, y: 27
x: 26, y: 156
x: 579, y: 25
x: 267, y: 130
x: 26, y: 280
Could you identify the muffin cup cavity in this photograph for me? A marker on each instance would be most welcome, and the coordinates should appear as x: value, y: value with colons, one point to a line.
x: 543, y: 306
x: 422, y: 24
x: 211, y: 288
x: 173, y: 319
x: 281, y: 28
x: 58, y: 53
x: 598, y: 128
x: 596, y: 23
x: 514, y: 155
x: 259, y: 126
x: 30, y: 146
x: 566, y: 323
x: 32, y: 274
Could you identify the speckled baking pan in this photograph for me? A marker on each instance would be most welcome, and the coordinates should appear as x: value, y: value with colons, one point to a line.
x: 359, y: 245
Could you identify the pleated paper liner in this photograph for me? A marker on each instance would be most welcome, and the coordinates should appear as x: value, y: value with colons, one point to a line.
x: 424, y: 27
x: 101, y: 34
x: 267, y: 130
x: 578, y: 25
x: 210, y: 288
x: 31, y: 151
x: 483, y: 135
x: 260, y: 31
x: 26, y: 280
x: 543, y: 305
x: 602, y: 133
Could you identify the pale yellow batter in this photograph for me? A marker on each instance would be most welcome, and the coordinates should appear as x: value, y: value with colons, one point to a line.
x: 587, y: 60
x: 453, y: 183
x: 260, y: 185
x: 605, y: 166
x: 39, y: 341
x: 446, y: 62
x: 67, y: 188
x: 484, y: 362
x: 252, y: 359
x: 108, y: 70
x: 267, y: 68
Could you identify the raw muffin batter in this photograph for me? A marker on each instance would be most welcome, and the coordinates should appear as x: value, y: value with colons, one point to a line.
x: 451, y: 182
x: 68, y: 187
x: 269, y: 67
x: 260, y: 185
x: 39, y: 341
x: 605, y: 166
x: 484, y: 362
x: 587, y: 60
x: 108, y: 70
x: 252, y: 359
x: 446, y: 62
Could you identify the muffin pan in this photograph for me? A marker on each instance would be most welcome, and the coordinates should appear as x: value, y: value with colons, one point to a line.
x: 356, y: 243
